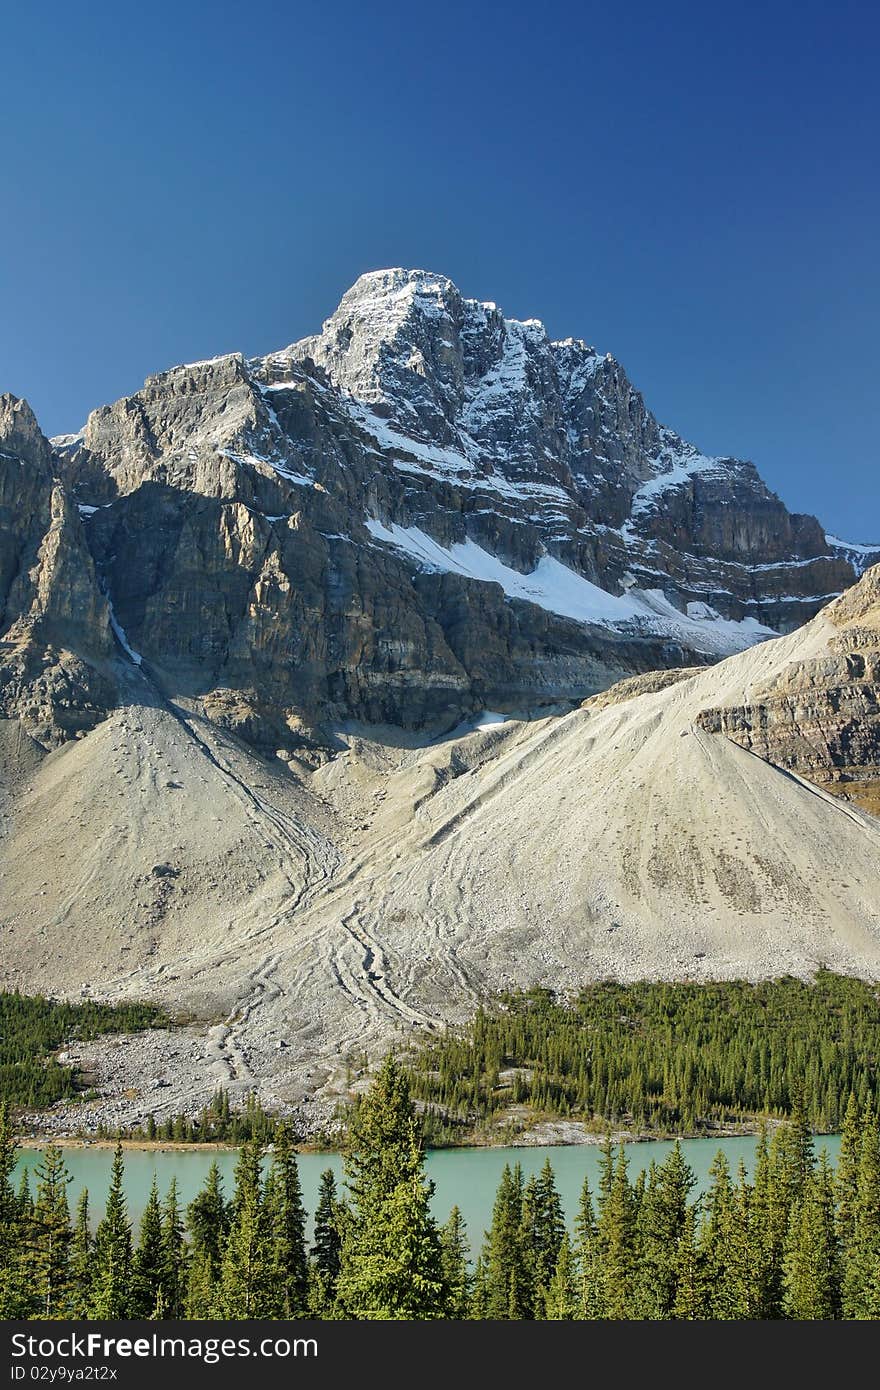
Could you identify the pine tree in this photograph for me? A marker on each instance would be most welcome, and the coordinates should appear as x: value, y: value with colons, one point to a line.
x: 207, y: 1220
x: 562, y: 1300
x: 391, y: 1258
x: 112, y: 1263
x: 863, y: 1255
x: 246, y: 1288
x: 506, y: 1273
x: 50, y: 1237
x: 811, y: 1287
x: 14, y: 1293
x: 81, y: 1259
x: 456, y: 1265
x: 326, y: 1248
x: 172, y: 1255
x: 147, y: 1265
x: 287, y: 1220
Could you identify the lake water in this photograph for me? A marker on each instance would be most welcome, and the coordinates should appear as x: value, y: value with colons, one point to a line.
x: 468, y: 1177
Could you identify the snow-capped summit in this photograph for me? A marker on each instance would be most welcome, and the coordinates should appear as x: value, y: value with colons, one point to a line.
x: 425, y: 510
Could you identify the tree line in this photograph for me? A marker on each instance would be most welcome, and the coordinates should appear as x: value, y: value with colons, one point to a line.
x: 33, y: 1026
x: 658, y: 1057
x: 797, y: 1240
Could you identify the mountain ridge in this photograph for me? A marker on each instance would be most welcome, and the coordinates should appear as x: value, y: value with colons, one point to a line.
x: 423, y: 510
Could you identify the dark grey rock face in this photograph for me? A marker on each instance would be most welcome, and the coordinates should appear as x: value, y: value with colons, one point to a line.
x: 55, y: 634
x: 425, y: 510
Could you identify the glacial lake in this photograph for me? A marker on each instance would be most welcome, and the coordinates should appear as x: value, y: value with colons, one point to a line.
x: 468, y: 1177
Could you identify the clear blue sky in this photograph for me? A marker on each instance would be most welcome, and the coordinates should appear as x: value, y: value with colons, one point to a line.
x: 693, y: 187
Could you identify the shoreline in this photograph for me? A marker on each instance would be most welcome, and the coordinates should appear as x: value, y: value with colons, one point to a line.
x: 543, y: 1135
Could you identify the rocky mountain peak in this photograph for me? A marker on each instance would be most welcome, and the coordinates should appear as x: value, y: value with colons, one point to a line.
x: 20, y: 435
x: 424, y: 510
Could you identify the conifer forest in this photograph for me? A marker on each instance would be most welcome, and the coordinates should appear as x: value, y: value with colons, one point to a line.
x: 793, y: 1240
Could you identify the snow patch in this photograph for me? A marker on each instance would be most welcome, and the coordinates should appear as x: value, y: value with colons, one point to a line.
x: 558, y: 589
x: 120, y: 636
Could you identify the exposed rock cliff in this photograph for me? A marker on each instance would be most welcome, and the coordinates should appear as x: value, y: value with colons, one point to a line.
x: 425, y: 510
x: 821, y: 717
x: 55, y: 637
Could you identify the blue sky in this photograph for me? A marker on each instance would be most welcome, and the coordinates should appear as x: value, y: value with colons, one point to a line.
x: 691, y: 187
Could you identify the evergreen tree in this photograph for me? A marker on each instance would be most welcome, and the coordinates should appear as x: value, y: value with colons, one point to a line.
x: 506, y: 1273
x: 391, y: 1258
x: 50, y: 1235
x: 247, y: 1288
x: 562, y: 1300
x: 14, y: 1293
x: 662, y: 1219
x: 172, y: 1256
x: 455, y: 1252
x: 112, y: 1260
x: 846, y: 1180
x: 207, y: 1219
x: 326, y: 1247
x: 147, y: 1265
x: 380, y: 1153
x: 586, y: 1256
x: 81, y: 1259
x: 394, y: 1267
x: 692, y: 1288
x: 543, y: 1229
x: 288, y: 1226
x: 863, y: 1254
x: 616, y: 1239
x: 810, y: 1267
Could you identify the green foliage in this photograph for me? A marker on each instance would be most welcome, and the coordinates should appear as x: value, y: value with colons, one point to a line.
x: 32, y: 1027
x: 216, y: 1123
x: 391, y: 1260
x: 663, y: 1058
x: 796, y: 1242
x: 111, y: 1282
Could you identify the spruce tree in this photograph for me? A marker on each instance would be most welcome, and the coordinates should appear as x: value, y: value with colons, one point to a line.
x: 247, y: 1289
x: 846, y: 1179
x: 172, y: 1255
x: 81, y: 1259
x: 147, y: 1264
x: 14, y: 1292
x: 50, y: 1236
x: 616, y: 1239
x: 326, y: 1248
x: 207, y: 1219
x: 287, y: 1221
x: 506, y: 1272
x: 562, y: 1301
x: 112, y: 1258
x: 691, y: 1300
x: 662, y: 1219
x: 863, y: 1255
x: 811, y: 1274
x: 456, y: 1266
x: 586, y: 1256
x: 391, y: 1259
x: 543, y: 1229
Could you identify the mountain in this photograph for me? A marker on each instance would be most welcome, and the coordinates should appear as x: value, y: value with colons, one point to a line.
x: 313, y: 910
x: 423, y: 511
x: 343, y: 687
